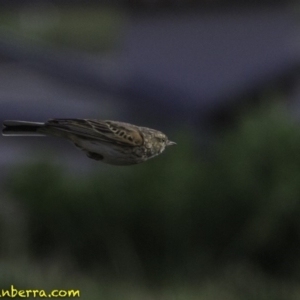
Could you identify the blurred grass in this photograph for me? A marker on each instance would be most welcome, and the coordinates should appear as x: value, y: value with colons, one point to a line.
x: 92, y: 28
x: 184, y: 220
x: 233, y: 282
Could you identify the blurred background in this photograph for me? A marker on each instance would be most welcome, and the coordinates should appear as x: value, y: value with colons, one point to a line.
x: 218, y: 216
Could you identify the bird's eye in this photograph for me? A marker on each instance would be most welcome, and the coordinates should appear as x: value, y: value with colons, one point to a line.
x: 163, y: 140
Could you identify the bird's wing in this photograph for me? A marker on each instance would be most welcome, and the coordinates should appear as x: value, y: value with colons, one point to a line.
x: 106, y: 131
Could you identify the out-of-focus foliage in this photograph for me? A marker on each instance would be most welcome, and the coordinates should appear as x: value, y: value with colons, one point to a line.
x: 92, y: 28
x: 232, y: 282
x: 182, y: 213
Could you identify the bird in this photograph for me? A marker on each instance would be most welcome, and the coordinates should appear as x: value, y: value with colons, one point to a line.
x: 111, y: 142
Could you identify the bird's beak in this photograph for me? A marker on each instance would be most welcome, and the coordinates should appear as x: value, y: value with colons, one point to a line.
x: 170, y: 143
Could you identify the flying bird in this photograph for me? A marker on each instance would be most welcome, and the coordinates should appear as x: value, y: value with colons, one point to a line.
x: 111, y: 142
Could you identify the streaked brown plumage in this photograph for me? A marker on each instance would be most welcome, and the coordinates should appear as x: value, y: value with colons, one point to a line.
x: 111, y: 142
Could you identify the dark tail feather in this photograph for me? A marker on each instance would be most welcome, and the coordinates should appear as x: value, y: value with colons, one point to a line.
x: 21, y: 128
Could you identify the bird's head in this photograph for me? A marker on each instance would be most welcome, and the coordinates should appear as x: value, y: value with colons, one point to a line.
x: 161, y: 141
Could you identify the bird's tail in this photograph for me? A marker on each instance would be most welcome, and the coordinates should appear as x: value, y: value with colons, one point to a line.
x: 21, y: 128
